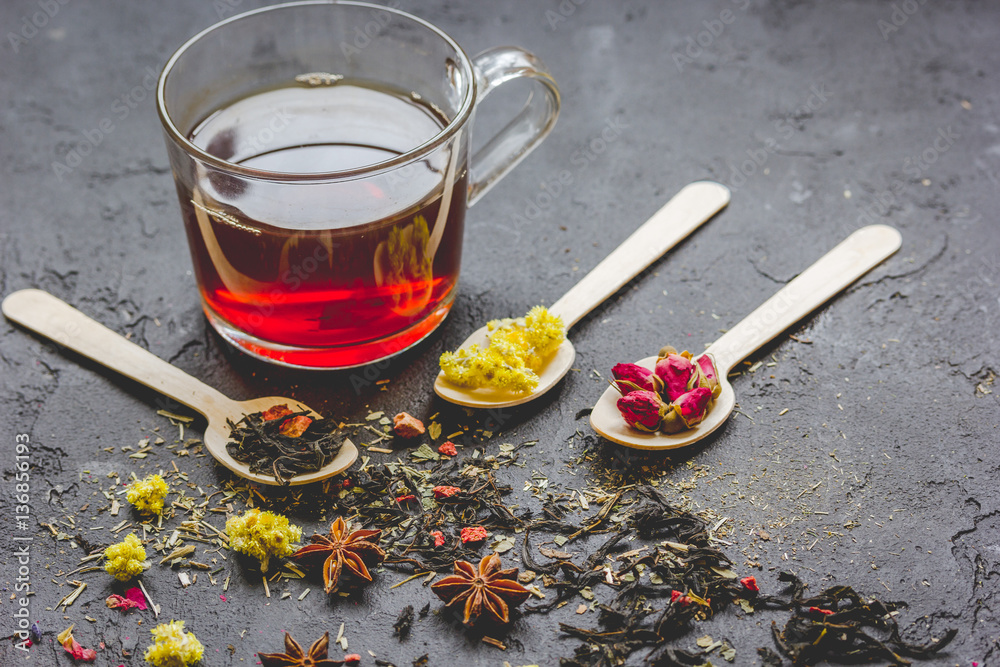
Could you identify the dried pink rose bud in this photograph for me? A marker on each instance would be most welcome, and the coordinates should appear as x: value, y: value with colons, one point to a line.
x: 642, y: 410
x: 675, y: 371
x: 633, y: 377
x: 708, y: 376
x: 693, y: 405
x: 666, y: 351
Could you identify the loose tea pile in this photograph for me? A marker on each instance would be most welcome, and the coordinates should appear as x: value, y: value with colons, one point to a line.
x: 283, y: 443
x: 654, y: 551
x: 651, y: 569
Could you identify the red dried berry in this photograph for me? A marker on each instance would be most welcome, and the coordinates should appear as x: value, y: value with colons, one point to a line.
x: 448, y: 448
x: 407, y: 426
x: 276, y: 412
x: 817, y: 610
x: 403, y: 499
x: 445, y: 491
x: 438, y: 538
x: 352, y: 658
x: 680, y: 598
x: 473, y: 534
x: 294, y: 427
x: 750, y: 583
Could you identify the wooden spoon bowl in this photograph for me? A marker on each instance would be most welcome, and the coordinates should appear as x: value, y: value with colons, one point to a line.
x: 689, y: 209
x: 849, y: 260
x: 45, y: 314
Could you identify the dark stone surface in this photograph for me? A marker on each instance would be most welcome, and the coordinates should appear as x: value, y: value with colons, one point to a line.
x: 889, y: 407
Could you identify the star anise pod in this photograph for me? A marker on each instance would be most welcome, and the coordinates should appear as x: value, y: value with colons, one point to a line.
x: 341, y: 549
x: 295, y: 657
x: 490, y: 590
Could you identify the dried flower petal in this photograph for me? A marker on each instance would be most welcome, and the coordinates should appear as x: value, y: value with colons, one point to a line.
x: 136, y: 596
x: 750, y: 583
x: 438, y: 538
x: 73, y: 647
x: 708, y: 375
x: 115, y: 601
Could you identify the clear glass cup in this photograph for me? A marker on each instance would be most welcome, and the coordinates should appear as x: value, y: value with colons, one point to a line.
x: 321, y: 156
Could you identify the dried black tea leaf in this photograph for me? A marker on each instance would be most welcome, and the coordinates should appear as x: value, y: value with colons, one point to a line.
x: 401, y: 628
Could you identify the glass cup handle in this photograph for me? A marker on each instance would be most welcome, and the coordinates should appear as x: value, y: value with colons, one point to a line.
x: 512, y: 144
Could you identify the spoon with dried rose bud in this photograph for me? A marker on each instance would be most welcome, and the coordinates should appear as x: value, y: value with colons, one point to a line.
x: 512, y: 361
x: 271, y: 417
x: 675, y: 399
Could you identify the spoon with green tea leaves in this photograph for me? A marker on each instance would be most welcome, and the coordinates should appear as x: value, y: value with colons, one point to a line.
x: 510, y: 362
x: 310, y: 449
x: 694, y: 415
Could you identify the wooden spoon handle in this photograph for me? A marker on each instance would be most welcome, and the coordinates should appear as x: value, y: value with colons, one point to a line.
x: 680, y: 216
x: 852, y: 258
x: 45, y: 314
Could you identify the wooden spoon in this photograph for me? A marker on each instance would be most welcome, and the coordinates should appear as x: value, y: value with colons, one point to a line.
x: 680, y: 216
x: 45, y: 314
x: 852, y: 258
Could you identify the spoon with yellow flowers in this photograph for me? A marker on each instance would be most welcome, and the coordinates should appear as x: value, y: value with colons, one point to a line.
x: 291, y: 441
x: 512, y: 361
x: 674, y: 400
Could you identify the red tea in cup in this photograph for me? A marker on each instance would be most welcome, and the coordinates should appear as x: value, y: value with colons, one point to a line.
x: 315, y: 281
x: 324, y: 183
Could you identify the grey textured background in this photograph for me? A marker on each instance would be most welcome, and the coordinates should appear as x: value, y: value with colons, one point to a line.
x: 883, y: 405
